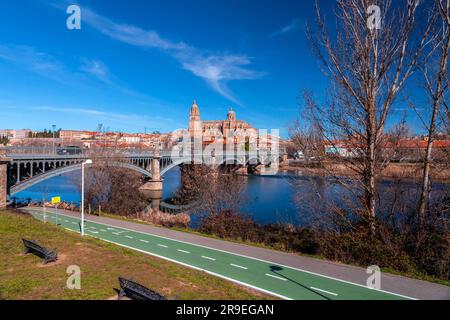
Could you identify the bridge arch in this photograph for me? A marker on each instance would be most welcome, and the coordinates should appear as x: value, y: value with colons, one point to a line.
x: 173, y: 164
x: 23, y: 185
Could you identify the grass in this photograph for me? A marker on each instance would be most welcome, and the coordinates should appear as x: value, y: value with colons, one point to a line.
x: 25, y: 277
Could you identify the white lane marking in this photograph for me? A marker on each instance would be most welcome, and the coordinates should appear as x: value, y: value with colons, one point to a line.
x: 232, y: 253
x: 102, y: 230
x: 111, y: 229
x: 161, y: 245
x: 93, y: 231
x: 184, y: 251
x: 279, y: 278
x: 143, y: 241
x: 238, y: 266
x: 129, y: 237
x: 317, y: 289
x: 117, y: 234
x: 74, y: 222
x: 209, y: 258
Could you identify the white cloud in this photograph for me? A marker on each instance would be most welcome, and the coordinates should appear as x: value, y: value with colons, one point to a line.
x: 290, y: 27
x: 96, y: 68
x: 120, y: 119
x: 214, y: 68
x: 35, y: 61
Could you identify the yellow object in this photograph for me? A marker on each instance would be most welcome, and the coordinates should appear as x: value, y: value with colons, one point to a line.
x: 56, y: 200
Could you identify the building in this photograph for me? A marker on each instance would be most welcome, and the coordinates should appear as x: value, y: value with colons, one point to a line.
x: 77, y: 135
x: 215, y: 130
x: 15, y: 134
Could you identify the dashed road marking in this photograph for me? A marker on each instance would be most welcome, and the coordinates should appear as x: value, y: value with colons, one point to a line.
x: 324, y: 291
x: 117, y: 234
x: 129, y: 237
x: 208, y: 258
x: 162, y: 245
x: 144, y: 241
x: 93, y: 231
x: 238, y: 266
x: 102, y: 230
x: 184, y: 251
x: 74, y: 222
x: 279, y: 278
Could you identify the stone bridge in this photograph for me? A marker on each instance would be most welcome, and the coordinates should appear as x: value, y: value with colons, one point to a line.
x: 20, y: 170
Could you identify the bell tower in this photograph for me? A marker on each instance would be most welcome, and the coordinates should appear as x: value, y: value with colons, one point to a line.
x: 195, y: 125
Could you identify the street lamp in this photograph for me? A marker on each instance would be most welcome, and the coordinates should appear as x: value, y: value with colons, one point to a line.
x: 54, y: 127
x: 88, y: 161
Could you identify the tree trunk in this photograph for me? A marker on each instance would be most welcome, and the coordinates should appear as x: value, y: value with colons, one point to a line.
x: 371, y: 169
x: 436, y: 96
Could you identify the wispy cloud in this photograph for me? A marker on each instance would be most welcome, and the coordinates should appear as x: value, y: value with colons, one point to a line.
x: 44, y: 64
x: 96, y: 68
x: 288, y: 28
x: 35, y: 61
x: 216, y: 69
x: 92, y: 112
x: 138, y: 120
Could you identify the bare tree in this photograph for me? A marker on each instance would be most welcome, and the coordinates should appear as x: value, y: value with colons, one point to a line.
x: 211, y: 189
x: 306, y: 133
x: 435, y: 73
x: 367, y: 68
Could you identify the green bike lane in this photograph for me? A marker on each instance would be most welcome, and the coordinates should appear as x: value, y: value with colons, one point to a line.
x: 272, y: 278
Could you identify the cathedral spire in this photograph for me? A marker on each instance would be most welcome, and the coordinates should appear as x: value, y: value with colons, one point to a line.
x: 194, y: 109
x: 231, y: 116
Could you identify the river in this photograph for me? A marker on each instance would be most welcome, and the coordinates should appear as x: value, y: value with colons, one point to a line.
x: 268, y: 199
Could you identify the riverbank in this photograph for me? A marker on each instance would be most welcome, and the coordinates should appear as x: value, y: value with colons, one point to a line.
x: 24, y: 276
x: 410, y: 171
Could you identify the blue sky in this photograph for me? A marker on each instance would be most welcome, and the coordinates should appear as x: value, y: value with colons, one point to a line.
x: 137, y: 64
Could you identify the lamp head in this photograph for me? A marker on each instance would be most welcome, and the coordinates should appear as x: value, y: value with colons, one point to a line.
x: 88, y: 161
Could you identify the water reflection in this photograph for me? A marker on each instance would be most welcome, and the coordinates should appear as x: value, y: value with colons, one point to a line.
x: 284, y: 198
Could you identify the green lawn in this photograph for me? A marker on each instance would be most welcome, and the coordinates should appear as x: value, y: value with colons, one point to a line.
x: 25, y: 277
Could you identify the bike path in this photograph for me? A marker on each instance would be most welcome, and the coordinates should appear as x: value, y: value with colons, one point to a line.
x: 281, y: 281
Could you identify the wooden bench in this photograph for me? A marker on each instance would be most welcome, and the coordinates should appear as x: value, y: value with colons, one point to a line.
x: 136, y: 291
x: 33, y: 247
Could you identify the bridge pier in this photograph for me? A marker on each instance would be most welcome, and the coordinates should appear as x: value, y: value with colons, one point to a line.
x: 3, y: 178
x: 156, y: 183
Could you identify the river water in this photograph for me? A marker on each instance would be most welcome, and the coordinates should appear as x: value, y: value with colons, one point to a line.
x: 268, y: 199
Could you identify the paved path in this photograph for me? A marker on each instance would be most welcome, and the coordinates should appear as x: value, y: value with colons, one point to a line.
x: 282, y: 274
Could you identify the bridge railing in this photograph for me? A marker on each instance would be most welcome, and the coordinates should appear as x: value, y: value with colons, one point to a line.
x: 39, y: 150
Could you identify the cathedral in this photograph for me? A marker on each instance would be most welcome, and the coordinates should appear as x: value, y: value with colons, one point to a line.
x: 219, y: 130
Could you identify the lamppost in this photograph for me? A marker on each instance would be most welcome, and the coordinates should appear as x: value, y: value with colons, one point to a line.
x: 54, y: 127
x: 88, y: 161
